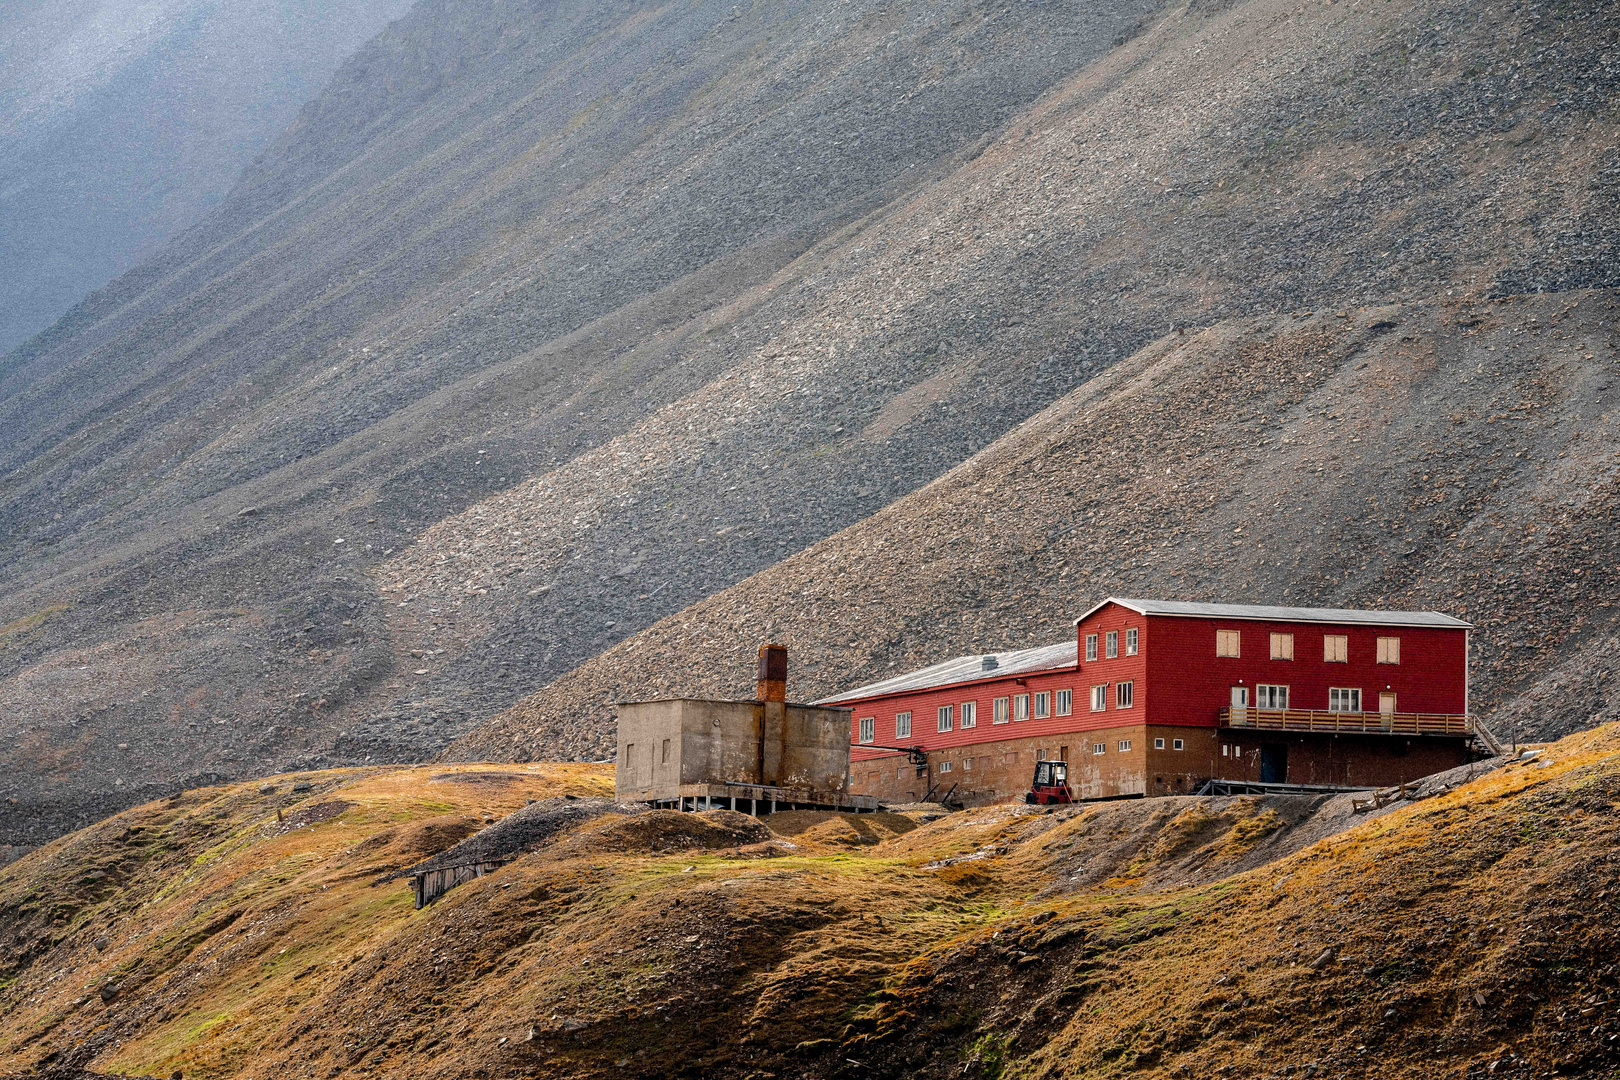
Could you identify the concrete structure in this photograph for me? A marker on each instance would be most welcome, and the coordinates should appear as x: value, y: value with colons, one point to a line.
x: 1155, y: 697
x: 753, y: 756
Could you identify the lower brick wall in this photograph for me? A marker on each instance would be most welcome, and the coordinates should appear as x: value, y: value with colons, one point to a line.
x: 1001, y: 771
x: 1347, y: 760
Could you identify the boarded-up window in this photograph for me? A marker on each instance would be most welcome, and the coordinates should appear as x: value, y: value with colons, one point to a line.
x: 664, y: 757
x: 1282, y: 646
x: 1227, y: 643
x: 1389, y: 650
x: 1335, y: 649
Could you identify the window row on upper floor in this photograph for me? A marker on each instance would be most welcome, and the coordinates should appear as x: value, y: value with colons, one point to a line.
x: 1335, y: 647
x: 1035, y: 705
x: 1110, y: 644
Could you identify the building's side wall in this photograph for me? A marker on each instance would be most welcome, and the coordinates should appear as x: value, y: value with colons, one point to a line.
x: 1109, y: 673
x: 643, y: 769
x: 664, y: 744
x: 1190, y: 684
x: 1341, y: 760
x: 815, y: 749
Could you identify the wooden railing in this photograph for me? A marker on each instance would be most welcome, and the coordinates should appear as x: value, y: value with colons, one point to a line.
x: 1375, y: 723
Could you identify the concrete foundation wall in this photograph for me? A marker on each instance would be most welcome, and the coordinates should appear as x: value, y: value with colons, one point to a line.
x: 663, y: 745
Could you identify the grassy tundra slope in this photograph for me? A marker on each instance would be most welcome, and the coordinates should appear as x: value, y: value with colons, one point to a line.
x: 1459, y: 455
x: 1473, y: 931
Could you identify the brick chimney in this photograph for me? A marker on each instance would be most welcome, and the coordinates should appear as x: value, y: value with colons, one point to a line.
x: 773, y: 673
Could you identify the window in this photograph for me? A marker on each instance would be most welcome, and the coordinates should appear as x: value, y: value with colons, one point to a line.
x: 868, y: 729
x: 1282, y: 646
x: 946, y: 713
x: 1226, y: 751
x: 1228, y: 643
x: 967, y: 764
x: 1099, y: 748
x: 944, y: 766
x: 900, y: 773
x: 1158, y: 744
x: 1124, y: 746
x: 1130, y: 642
x: 1040, y: 755
x: 1064, y: 702
x: 1389, y: 650
x: 1124, y: 695
x: 1043, y: 705
x: 1020, y: 706
x: 1099, y: 698
x: 970, y: 714
x: 1270, y: 697
x: 998, y: 711
x: 1335, y: 649
x: 1091, y: 646
x: 1113, y: 644
x: 1177, y: 744
x: 1344, y: 699
x: 902, y: 725
x: 664, y: 760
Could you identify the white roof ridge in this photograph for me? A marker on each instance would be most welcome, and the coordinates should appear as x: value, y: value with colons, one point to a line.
x: 1279, y: 613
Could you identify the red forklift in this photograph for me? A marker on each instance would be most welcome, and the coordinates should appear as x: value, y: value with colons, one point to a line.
x: 1051, y: 784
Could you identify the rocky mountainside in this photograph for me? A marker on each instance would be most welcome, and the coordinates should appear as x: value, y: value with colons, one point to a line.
x: 123, y: 122
x: 502, y: 235
x: 523, y: 341
x: 259, y: 929
x: 1460, y: 455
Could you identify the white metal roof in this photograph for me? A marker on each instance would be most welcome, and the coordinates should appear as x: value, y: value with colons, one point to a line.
x: 961, y: 669
x: 1268, y: 613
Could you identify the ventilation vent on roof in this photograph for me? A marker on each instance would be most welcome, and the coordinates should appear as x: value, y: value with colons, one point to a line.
x: 988, y: 664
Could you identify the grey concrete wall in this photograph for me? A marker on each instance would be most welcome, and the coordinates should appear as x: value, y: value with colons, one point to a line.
x: 664, y: 744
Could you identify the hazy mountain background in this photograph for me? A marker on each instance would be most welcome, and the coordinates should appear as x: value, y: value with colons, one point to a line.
x: 540, y: 326
x: 124, y: 121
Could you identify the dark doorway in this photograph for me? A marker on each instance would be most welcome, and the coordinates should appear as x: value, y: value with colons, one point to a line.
x: 1273, y: 764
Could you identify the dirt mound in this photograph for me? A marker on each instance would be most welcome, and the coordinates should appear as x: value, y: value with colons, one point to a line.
x: 664, y: 831
x: 828, y: 828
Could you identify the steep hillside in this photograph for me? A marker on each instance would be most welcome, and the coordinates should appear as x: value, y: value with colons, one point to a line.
x: 123, y: 122
x: 502, y: 235
x: 635, y: 304
x: 237, y: 932
x: 1456, y: 455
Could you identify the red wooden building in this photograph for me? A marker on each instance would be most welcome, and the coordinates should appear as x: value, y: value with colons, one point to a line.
x: 1155, y: 697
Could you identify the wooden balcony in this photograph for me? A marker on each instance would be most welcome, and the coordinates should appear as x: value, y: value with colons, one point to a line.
x: 1354, y: 723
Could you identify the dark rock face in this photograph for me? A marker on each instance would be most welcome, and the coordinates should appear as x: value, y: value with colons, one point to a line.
x: 123, y: 123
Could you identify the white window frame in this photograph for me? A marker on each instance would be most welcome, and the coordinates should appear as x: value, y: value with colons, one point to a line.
x: 902, y: 725
x: 1229, y: 644
x: 1124, y: 746
x: 1178, y: 744
x: 1099, y: 698
x: 1099, y: 749
x: 967, y: 764
x: 1389, y: 650
x: 1091, y: 646
x: 1130, y: 641
x: 947, y: 717
x: 1063, y: 702
x: 1000, y: 710
x: 944, y: 767
x: 1266, y: 696
x: 868, y: 729
x: 1124, y: 694
x: 1158, y: 744
x: 1041, y: 706
x: 1040, y: 754
x: 1020, y: 707
x: 1282, y: 646
x: 1111, y: 645
x: 1341, y: 696
x: 1335, y: 648
x: 970, y: 714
